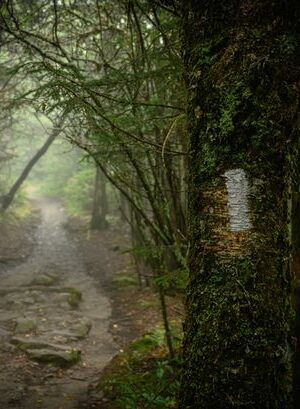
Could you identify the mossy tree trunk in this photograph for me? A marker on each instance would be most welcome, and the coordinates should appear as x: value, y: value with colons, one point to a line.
x: 295, y: 264
x: 242, y: 70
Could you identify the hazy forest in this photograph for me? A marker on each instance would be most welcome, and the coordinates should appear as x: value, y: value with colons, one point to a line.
x: 149, y: 204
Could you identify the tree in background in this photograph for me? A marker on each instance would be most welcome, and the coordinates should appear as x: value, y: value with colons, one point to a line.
x: 7, y: 199
x: 242, y: 64
x: 100, y: 202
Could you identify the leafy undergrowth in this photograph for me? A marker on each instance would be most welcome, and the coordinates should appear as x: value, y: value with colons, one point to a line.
x: 20, y: 210
x: 143, y: 376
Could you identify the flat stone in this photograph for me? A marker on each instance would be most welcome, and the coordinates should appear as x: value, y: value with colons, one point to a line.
x: 8, y: 315
x: 25, y: 325
x: 63, y: 336
x: 82, y: 329
x: 45, y: 280
x: 29, y: 300
x: 77, y: 331
x: 4, y: 333
x: 57, y: 358
x: 74, y: 334
x: 29, y: 343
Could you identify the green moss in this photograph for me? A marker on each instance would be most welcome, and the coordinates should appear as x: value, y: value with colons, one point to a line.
x: 125, y: 280
x: 74, y: 297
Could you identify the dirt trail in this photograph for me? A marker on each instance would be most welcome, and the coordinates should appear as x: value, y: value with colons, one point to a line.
x: 41, y: 312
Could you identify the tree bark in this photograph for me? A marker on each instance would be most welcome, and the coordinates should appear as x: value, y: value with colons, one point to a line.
x: 7, y: 200
x: 241, y: 61
x: 100, y: 203
x: 123, y: 208
x: 295, y: 265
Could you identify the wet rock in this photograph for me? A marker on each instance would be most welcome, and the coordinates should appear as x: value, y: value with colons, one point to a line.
x: 78, y: 331
x: 25, y: 325
x: 6, y: 347
x: 28, y: 343
x: 29, y: 301
x: 62, y: 336
x: 61, y: 300
x: 3, y: 333
x: 60, y: 358
x: 45, y: 280
x: 82, y: 329
x: 8, y: 315
x: 35, y: 343
x: 43, y: 351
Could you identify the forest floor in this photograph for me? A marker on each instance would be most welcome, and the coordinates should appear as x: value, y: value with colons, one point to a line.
x: 64, y: 313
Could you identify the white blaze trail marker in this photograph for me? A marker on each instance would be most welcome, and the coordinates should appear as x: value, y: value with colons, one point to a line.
x: 238, y: 189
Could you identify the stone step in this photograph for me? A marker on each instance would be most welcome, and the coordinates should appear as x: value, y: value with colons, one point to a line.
x: 56, y: 358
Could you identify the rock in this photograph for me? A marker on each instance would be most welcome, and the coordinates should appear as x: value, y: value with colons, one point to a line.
x: 29, y: 300
x: 45, y: 280
x: 62, y: 336
x: 43, y: 351
x: 7, y: 347
x: 29, y: 343
x: 25, y: 325
x: 8, y: 315
x: 57, y: 358
x: 3, y: 333
x: 82, y: 329
x: 77, y: 332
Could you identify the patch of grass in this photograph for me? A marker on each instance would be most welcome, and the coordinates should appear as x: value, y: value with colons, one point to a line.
x: 143, y: 376
x: 148, y: 304
x: 148, y: 342
x: 125, y: 280
x: 75, y: 356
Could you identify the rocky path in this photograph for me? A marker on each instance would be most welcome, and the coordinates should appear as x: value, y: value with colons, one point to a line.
x: 54, y: 323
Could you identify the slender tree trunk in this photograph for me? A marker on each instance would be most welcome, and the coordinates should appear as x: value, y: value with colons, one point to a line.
x: 123, y: 207
x: 242, y: 73
x: 136, y: 240
x: 100, y: 203
x: 165, y: 318
x: 9, y: 197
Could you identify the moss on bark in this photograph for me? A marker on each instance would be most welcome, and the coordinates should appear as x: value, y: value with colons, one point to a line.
x: 242, y: 73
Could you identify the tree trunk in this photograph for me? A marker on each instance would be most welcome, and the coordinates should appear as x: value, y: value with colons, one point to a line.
x: 124, y: 211
x: 295, y: 230
x: 100, y: 203
x: 242, y: 65
x: 7, y: 200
